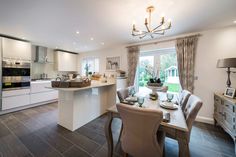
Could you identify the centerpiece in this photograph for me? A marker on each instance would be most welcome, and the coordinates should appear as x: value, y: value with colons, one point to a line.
x: 154, y: 83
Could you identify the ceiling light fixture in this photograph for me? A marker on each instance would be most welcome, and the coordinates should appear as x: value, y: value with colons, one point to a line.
x: 235, y: 22
x: 102, y: 43
x: 159, y: 30
x: 92, y: 39
x: 77, y: 32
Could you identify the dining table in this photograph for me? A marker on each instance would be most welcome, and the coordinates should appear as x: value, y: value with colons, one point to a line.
x: 176, y: 126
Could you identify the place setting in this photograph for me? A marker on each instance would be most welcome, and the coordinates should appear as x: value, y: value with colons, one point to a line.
x: 168, y: 104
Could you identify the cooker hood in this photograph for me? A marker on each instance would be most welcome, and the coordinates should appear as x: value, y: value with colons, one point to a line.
x: 41, y: 55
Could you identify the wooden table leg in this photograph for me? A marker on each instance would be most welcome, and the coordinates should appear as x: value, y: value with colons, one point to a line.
x: 108, y: 134
x: 183, y: 148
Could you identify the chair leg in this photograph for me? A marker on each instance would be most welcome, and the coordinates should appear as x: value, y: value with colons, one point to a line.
x: 121, y: 130
x: 163, y: 153
x: 125, y: 154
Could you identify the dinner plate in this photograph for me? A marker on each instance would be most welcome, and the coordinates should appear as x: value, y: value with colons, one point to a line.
x: 168, y: 105
x: 132, y: 99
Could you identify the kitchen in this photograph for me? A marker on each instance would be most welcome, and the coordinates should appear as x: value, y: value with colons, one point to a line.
x: 27, y: 72
x: 101, y: 78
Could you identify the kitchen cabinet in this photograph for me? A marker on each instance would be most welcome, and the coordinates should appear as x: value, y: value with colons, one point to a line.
x: 41, y: 94
x: 40, y: 86
x: 15, y: 101
x: 43, y: 97
x: 15, y: 98
x: 66, y: 61
x: 16, y: 49
x: 36, y: 94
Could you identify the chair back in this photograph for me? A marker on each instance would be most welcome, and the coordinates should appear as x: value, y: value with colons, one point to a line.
x: 183, y: 98
x: 124, y: 93
x: 191, y: 110
x: 140, y: 126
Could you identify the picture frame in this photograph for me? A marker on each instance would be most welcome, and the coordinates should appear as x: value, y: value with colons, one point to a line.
x: 229, y: 92
x: 113, y: 63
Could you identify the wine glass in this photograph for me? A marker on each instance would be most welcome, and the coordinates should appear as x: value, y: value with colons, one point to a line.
x: 132, y: 92
x: 169, y: 97
x: 140, y: 101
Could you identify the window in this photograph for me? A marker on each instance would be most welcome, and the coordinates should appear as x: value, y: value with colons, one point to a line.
x: 90, y: 64
x: 161, y: 63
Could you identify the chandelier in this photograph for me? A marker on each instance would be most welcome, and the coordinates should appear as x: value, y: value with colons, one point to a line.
x: 159, y: 30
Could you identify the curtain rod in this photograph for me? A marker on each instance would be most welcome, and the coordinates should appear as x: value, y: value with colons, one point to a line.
x: 162, y: 41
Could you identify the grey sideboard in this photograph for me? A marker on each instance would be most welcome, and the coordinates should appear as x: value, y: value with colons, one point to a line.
x: 225, y: 114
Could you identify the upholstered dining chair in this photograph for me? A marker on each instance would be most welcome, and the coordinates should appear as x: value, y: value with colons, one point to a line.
x: 140, y: 136
x: 183, y: 98
x: 124, y: 93
x: 191, y: 110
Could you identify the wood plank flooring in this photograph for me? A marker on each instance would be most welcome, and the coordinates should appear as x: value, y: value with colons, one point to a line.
x: 34, y: 133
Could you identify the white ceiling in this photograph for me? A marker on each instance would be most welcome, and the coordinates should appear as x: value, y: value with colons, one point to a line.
x: 54, y: 23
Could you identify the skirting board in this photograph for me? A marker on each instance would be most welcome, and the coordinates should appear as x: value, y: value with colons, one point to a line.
x: 205, y: 120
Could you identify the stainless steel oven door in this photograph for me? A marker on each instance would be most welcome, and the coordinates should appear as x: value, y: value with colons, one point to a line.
x: 16, y: 82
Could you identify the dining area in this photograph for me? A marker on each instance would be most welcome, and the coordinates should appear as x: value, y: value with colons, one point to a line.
x: 145, y: 123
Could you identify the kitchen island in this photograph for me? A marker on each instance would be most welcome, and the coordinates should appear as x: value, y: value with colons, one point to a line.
x: 78, y: 106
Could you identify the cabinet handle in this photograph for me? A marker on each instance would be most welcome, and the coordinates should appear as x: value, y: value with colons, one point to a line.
x: 226, y: 105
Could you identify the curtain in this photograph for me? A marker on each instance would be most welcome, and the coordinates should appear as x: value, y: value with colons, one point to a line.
x: 186, y: 49
x: 133, y: 59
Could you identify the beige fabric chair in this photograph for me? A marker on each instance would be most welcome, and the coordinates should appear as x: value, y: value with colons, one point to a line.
x: 124, y: 93
x: 140, y: 137
x: 191, y: 110
x: 183, y: 98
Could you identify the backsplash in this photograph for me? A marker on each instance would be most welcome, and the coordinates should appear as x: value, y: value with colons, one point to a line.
x: 38, y: 68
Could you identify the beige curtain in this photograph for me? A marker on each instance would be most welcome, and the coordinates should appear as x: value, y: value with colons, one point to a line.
x: 185, y: 49
x: 133, y: 59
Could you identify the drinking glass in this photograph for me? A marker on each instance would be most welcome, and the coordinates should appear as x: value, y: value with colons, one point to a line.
x: 132, y: 92
x: 170, y: 97
x: 140, y: 101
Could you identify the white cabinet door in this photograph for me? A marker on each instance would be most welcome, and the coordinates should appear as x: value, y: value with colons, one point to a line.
x: 9, y: 93
x: 15, y: 101
x: 44, y: 96
x: 37, y: 87
x: 16, y: 49
x: 66, y: 61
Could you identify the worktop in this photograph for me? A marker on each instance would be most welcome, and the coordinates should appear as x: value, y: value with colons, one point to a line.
x: 94, y: 84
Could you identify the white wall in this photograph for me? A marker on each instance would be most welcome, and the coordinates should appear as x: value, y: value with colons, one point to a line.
x: 212, y: 45
x: 102, y: 54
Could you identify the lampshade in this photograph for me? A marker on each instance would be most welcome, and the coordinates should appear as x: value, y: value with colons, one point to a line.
x: 226, y: 63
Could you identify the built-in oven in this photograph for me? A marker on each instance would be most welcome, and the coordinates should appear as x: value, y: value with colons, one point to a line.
x: 15, y: 74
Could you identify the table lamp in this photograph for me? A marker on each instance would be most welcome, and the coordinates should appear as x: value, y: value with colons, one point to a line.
x: 227, y: 63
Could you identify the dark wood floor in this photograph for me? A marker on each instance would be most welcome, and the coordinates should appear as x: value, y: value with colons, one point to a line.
x: 34, y: 132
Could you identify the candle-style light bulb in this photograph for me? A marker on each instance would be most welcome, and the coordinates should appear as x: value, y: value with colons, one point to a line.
x: 162, y: 18
x: 146, y: 20
x: 134, y: 26
x: 169, y: 21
